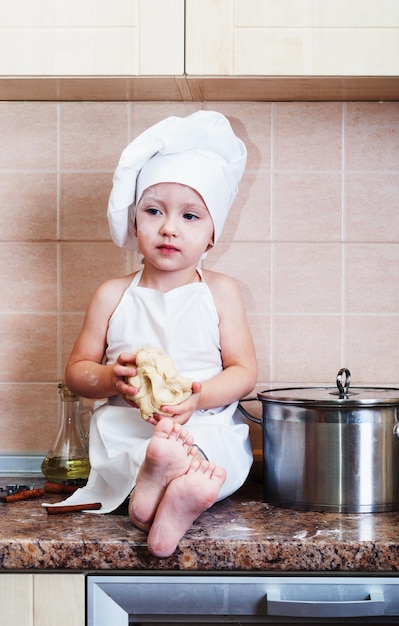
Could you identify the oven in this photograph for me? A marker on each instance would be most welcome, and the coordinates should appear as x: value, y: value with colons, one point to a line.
x: 262, y: 598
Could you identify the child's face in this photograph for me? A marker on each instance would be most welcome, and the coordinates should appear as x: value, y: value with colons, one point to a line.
x: 174, y: 227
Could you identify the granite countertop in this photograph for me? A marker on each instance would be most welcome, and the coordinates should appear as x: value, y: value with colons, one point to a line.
x: 242, y: 533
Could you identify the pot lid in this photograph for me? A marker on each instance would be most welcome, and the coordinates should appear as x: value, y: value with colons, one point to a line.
x: 340, y: 395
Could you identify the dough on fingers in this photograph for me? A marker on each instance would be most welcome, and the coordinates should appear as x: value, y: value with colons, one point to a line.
x: 158, y: 382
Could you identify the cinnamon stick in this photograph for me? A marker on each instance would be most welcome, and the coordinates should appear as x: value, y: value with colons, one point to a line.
x: 23, y: 495
x: 50, y: 487
x: 72, y: 508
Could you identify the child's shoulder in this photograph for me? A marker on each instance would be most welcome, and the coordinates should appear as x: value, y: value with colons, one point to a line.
x: 227, y: 295
x: 216, y: 278
x: 114, y: 287
x: 119, y: 281
x: 220, y: 284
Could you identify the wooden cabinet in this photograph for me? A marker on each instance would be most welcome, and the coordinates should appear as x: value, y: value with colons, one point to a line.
x: 201, y: 50
x: 199, y: 38
x: 92, y: 38
x: 291, y: 38
x: 16, y: 599
x: 42, y: 599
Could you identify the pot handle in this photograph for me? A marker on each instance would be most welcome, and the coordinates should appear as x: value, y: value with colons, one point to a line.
x: 246, y: 414
x: 343, y: 381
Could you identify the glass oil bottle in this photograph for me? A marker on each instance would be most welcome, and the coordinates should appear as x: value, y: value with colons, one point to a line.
x: 68, y: 459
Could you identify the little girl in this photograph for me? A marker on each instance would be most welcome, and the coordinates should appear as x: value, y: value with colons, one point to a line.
x: 171, y: 194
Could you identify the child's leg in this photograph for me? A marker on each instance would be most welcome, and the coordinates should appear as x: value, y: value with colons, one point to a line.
x: 184, y: 500
x: 169, y: 455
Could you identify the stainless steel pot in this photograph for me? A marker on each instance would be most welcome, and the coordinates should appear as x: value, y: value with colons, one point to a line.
x: 331, y: 448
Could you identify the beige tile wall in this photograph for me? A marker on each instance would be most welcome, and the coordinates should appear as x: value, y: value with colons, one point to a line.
x: 312, y: 239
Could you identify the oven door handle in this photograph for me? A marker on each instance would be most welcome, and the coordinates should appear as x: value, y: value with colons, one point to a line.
x: 374, y: 605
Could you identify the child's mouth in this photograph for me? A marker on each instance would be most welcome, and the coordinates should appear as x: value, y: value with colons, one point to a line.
x: 167, y: 249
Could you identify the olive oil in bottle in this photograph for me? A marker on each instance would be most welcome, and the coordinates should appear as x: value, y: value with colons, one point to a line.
x: 59, y: 469
x: 68, y: 459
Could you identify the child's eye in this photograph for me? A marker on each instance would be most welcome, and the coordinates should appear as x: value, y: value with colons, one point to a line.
x: 152, y: 210
x: 190, y: 216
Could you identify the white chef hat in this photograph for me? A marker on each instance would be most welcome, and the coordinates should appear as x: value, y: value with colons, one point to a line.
x: 200, y: 151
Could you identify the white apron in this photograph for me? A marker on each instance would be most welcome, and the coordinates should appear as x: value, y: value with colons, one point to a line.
x: 184, y: 323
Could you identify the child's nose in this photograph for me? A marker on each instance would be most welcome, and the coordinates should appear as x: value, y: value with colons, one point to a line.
x: 169, y: 227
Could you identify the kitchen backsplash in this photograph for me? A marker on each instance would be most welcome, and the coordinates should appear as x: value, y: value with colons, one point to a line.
x: 313, y: 239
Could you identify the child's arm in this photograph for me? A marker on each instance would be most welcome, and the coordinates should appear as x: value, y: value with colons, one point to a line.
x: 85, y: 374
x: 240, y: 369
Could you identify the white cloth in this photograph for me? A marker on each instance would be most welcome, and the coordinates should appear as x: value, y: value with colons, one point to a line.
x: 184, y: 323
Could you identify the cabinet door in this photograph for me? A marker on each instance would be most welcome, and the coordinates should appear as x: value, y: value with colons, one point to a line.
x: 16, y: 599
x: 59, y: 599
x: 92, y: 38
x: 291, y: 38
x: 161, y: 37
x: 210, y: 37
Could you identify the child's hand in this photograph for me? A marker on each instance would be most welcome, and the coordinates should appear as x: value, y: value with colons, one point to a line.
x: 182, y: 412
x: 124, y: 368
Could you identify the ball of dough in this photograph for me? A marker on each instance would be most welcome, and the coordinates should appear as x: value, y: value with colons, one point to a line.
x: 158, y: 382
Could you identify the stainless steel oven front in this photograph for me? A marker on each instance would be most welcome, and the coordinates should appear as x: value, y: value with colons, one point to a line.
x: 169, y: 598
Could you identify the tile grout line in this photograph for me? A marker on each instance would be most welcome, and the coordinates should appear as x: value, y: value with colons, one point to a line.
x: 272, y: 244
x: 58, y: 244
x: 343, y: 238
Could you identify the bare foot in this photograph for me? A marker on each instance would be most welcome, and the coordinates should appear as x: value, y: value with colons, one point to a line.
x: 169, y: 455
x: 185, y: 499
